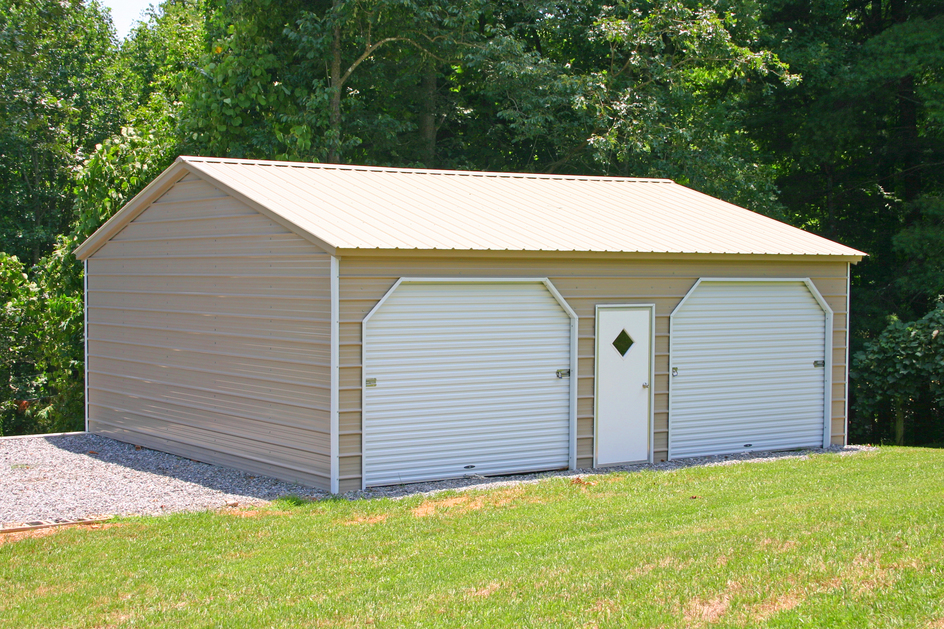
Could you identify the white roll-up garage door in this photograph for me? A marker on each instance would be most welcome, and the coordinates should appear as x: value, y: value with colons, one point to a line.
x: 749, y: 368
x: 462, y: 378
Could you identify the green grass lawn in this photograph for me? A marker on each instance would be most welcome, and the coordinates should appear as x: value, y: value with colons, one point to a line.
x: 854, y: 541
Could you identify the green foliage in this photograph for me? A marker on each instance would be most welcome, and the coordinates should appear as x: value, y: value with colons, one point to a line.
x: 17, y: 367
x: 236, y: 104
x: 321, y: 81
x: 63, y: 91
x: 899, y: 382
x: 164, y: 50
x: 120, y: 168
x: 43, y: 372
x: 859, y: 140
x: 920, y: 247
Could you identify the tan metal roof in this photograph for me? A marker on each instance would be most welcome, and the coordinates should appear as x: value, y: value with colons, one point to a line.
x: 355, y: 207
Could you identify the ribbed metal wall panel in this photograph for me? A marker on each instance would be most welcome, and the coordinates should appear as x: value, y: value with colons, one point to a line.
x: 465, y: 376
x: 202, y: 347
x: 745, y: 354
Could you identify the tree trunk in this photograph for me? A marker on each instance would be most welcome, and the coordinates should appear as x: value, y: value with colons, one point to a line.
x: 428, y: 116
x: 830, y: 203
x: 899, y: 424
x: 335, y: 113
x: 908, y: 137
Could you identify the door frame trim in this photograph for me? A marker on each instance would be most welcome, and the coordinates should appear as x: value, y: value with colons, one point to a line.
x: 475, y: 280
x: 596, y: 372
x: 827, y: 348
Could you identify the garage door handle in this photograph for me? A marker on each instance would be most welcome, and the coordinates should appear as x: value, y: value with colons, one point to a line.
x: 563, y: 373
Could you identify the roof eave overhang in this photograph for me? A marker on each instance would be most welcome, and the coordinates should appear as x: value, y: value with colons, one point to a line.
x: 621, y: 255
x: 161, y: 184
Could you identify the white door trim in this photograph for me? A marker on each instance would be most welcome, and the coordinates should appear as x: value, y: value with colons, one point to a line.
x: 596, y: 370
x: 827, y: 350
x: 475, y: 280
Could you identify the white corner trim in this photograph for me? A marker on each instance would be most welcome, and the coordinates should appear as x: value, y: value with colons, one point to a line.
x: 85, y: 336
x: 845, y: 429
x: 335, y: 420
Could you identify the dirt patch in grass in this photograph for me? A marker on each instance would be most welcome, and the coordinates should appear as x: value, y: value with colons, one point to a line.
x: 773, y: 606
x: 778, y: 546
x: 867, y: 574
x: 115, y: 619
x: 8, y: 538
x: 700, y: 611
x: 460, y: 505
x: 486, y: 591
x: 431, y: 507
x: 254, y: 513
x: 366, y: 519
x: 863, y: 575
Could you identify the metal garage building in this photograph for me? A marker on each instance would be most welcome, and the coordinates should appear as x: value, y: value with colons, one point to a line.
x: 347, y: 326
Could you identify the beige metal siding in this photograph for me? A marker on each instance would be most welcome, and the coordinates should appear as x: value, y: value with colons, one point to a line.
x: 583, y: 282
x: 209, y: 337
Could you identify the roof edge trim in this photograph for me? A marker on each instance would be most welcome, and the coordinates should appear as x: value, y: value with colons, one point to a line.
x: 629, y: 255
x: 418, y: 171
x: 161, y: 184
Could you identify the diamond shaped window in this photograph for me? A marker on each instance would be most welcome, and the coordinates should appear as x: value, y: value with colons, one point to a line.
x: 623, y: 342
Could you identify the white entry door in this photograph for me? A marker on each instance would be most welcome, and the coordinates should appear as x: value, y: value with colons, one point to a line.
x: 623, y: 383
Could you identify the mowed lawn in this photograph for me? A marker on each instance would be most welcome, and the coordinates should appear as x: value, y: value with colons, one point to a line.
x: 831, y: 541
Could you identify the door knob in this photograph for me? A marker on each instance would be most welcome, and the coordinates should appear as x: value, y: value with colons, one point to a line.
x: 645, y: 385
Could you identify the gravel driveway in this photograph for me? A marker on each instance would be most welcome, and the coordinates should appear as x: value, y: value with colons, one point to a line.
x: 66, y: 477
x: 81, y: 476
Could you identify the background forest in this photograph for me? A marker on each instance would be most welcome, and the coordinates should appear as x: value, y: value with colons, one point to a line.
x: 826, y: 114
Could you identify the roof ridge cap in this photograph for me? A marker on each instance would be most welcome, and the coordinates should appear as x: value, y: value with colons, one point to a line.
x: 419, y: 171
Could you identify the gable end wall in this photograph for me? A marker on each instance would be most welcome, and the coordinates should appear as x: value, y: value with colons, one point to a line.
x: 209, y: 337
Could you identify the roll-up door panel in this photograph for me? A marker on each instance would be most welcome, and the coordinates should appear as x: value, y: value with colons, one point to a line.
x: 748, y: 360
x: 461, y: 378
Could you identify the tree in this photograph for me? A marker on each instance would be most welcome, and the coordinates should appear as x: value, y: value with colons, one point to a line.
x: 62, y: 92
x: 899, y: 381
x: 324, y: 81
x: 42, y: 320
x: 860, y: 140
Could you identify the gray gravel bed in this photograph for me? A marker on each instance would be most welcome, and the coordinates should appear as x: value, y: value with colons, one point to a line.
x: 66, y: 477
